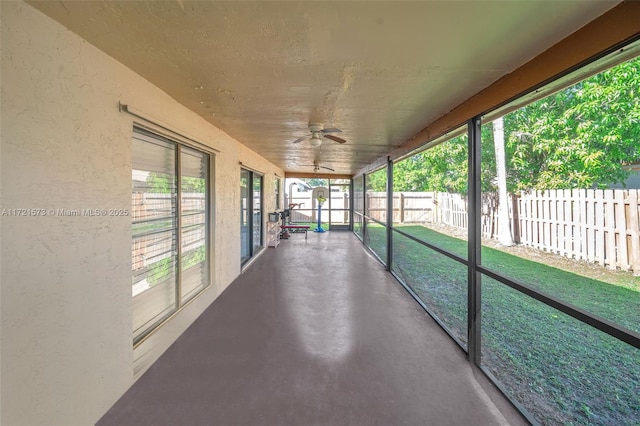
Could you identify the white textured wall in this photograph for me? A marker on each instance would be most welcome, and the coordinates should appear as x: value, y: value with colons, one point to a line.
x: 65, y: 313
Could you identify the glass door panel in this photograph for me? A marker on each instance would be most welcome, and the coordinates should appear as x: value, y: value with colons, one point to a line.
x: 339, y: 206
x: 244, y: 216
x: 257, y: 212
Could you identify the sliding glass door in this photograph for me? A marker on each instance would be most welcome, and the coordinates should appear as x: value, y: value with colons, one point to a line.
x: 250, y: 214
x: 256, y: 212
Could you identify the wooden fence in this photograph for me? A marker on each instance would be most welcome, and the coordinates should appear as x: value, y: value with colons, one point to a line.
x: 148, y: 249
x: 599, y: 226
x: 408, y: 207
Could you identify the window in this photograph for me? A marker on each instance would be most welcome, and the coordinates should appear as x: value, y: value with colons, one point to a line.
x: 170, y: 248
x: 277, y: 191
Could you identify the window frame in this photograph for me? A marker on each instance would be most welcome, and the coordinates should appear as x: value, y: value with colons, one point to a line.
x: 252, y: 248
x: 146, y: 135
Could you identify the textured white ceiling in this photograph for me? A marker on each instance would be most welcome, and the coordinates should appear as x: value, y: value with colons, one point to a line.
x: 380, y: 71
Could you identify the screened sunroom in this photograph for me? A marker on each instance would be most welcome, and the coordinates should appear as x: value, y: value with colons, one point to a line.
x: 320, y: 213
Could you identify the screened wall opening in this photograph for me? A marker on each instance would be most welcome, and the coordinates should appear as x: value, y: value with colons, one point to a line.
x: 375, y: 217
x: 339, y: 204
x: 519, y: 233
x: 319, y: 203
x: 358, y: 206
x: 430, y: 224
x: 301, y: 198
x: 559, y: 198
x: 170, y: 226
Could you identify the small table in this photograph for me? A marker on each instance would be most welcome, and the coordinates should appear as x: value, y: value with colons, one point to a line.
x: 296, y: 228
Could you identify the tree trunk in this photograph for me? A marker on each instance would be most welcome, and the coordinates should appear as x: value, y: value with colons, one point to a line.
x: 504, y: 224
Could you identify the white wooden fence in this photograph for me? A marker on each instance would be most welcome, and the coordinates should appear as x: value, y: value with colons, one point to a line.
x: 600, y: 226
x: 595, y: 225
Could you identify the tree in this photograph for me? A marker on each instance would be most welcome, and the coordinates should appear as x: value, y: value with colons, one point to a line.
x: 441, y: 168
x: 504, y: 225
x: 161, y: 183
x: 377, y: 181
x: 315, y: 182
x: 579, y: 137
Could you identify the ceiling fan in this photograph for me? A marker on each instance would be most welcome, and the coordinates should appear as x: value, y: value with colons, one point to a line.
x: 316, y: 167
x: 318, y: 132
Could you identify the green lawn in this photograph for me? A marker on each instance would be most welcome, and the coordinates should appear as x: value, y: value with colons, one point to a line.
x: 312, y: 225
x: 561, y: 370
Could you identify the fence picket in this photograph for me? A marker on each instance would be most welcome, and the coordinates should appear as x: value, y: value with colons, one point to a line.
x: 561, y: 227
x: 590, y: 225
x: 553, y: 221
x: 599, y: 227
x: 584, y: 231
x: 610, y: 251
x: 621, y: 232
x: 533, y: 221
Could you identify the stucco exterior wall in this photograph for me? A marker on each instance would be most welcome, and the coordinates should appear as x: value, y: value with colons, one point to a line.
x: 66, y: 351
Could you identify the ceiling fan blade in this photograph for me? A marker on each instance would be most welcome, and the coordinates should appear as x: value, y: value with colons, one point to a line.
x: 328, y: 168
x: 335, y: 138
x: 331, y: 130
x: 300, y: 139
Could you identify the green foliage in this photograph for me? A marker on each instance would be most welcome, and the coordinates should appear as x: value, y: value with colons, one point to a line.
x: 315, y: 182
x: 193, y: 184
x: 377, y: 181
x: 580, y: 137
x: 441, y: 168
x: 161, y: 183
x: 160, y: 271
x: 194, y: 257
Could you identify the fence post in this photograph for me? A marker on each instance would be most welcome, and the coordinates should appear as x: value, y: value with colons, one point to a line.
x: 611, y: 234
x: 401, y: 219
x: 621, y: 222
x: 600, y: 227
x: 633, y: 225
x: 515, y: 218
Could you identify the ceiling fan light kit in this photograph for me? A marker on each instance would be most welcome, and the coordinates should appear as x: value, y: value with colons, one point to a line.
x: 316, y: 140
x: 317, y: 132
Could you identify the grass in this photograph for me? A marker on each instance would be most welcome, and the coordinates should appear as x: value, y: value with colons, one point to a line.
x: 561, y: 370
x: 312, y: 225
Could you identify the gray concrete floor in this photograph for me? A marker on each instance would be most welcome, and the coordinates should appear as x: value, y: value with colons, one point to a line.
x: 315, y: 332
